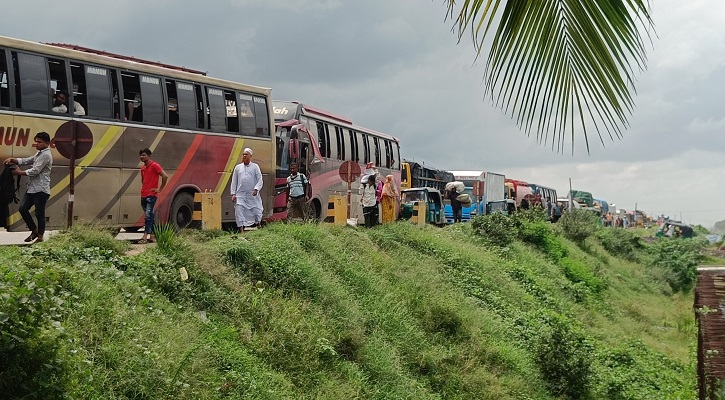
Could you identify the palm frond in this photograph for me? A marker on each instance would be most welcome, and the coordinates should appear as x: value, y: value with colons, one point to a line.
x: 559, y: 66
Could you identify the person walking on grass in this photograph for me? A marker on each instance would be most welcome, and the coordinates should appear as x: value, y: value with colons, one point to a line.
x: 246, y: 184
x: 150, y: 173
x: 38, y: 191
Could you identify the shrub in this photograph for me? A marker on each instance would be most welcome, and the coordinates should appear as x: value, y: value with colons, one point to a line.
x: 620, y: 243
x: 497, y: 229
x: 532, y: 215
x: 564, y: 356
x: 578, y: 224
x: 30, y: 314
x: 577, y: 272
x: 542, y: 236
x: 679, y: 258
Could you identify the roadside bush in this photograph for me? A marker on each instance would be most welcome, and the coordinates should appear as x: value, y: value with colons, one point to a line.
x: 679, y: 258
x: 578, y: 224
x: 577, y: 272
x: 620, y: 243
x: 497, y: 229
x: 531, y: 215
x: 564, y: 356
x: 90, y: 236
x: 30, y: 314
x: 541, y: 234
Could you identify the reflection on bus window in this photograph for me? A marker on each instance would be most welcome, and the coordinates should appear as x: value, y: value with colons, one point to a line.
x: 4, y: 81
x: 262, y: 116
x: 32, y: 78
x: 92, y: 89
x: 246, y: 115
x: 283, y: 148
x: 217, y: 110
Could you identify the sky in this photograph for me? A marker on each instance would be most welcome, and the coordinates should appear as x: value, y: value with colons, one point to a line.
x: 398, y: 67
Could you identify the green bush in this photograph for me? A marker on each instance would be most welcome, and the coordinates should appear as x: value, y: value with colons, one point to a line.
x: 30, y: 313
x: 578, y: 224
x: 542, y: 236
x: 531, y: 215
x: 497, y: 229
x: 564, y: 356
x: 679, y: 258
x: 577, y: 272
x: 620, y: 243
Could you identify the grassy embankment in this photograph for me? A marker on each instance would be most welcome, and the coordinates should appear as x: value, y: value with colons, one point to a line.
x: 319, y: 311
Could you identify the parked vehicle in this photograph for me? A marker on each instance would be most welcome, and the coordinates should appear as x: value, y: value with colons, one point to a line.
x: 518, y: 190
x: 433, y: 200
x: 417, y: 175
x: 488, y: 192
x: 675, y: 229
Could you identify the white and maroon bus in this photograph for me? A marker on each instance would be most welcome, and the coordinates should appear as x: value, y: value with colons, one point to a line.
x: 321, y: 142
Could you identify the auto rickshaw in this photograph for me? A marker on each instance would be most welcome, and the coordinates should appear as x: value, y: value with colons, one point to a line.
x: 674, y: 229
x: 432, y: 199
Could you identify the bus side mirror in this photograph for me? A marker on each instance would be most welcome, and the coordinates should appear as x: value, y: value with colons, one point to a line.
x: 294, y: 149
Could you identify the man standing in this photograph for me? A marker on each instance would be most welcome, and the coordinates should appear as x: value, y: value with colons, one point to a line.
x: 38, y: 191
x: 246, y: 184
x: 150, y: 172
x: 297, y: 195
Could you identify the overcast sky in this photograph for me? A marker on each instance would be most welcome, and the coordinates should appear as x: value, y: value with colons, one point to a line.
x: 396, y: 67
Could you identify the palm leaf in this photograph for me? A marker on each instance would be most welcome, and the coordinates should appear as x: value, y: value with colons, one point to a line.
x: 559, y: 66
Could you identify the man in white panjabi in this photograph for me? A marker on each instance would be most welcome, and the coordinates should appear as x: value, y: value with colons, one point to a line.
x: 246, y: 185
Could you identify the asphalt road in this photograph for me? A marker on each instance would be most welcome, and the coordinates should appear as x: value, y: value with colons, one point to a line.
x: 18, y: 238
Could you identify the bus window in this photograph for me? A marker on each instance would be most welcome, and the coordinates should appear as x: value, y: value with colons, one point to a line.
x: 366, y: 148
x: 260, y: 109
x: 180, y: 103
x: 387, y: 153
x: 246, y: 114
x: 4, y: 81
x: 58, y: 80
x: 230, y: 101
x: 376, y: 143
x: 340, y: 143
x: 31, y: 75
x: 216, y: 109
x: 92, y: 89
x: 353, y: 146
x: 133, y: 109
x: 323, y: 139
x: 153, y: 102
x: 116, y: 98
x: 172, y: 103
x: 200, y: 114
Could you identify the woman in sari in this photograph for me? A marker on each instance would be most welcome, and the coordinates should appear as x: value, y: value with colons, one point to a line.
x: 389, y: 200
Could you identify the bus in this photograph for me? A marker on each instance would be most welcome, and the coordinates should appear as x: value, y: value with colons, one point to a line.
x: 320, y: 141
x: 196, y: 126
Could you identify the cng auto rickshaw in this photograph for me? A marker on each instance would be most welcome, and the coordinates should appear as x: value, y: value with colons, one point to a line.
x: 432, y: 199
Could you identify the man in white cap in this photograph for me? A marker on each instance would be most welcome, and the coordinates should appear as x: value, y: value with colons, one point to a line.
x: 246, y: 185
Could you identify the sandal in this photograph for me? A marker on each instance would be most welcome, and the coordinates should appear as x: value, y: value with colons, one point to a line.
x: 142, y: 241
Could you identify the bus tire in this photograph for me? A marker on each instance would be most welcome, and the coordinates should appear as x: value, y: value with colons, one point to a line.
x: 182, y: 209
x: 315, y: 210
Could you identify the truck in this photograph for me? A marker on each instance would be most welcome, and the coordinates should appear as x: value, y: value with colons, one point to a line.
x: 418, y: 175
x: 488, y: 192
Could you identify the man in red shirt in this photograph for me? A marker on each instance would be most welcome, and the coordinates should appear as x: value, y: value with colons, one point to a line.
x: 150, y: 172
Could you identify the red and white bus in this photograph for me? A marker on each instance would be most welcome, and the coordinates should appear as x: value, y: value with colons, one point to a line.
x: 323, y: 142
x: 196, y: 126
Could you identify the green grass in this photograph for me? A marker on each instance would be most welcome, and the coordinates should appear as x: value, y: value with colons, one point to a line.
x: 306, y: 311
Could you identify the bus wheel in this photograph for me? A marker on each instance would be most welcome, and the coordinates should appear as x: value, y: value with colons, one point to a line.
x: 182, y: 209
